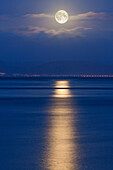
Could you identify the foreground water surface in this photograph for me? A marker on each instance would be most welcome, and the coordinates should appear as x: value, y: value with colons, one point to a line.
x: 56, y: 125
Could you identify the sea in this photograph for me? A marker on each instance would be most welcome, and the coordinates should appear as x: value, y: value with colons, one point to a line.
x: 56, y: 124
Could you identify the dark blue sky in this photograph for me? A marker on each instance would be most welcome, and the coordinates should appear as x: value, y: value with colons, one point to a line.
x: 16, y: 7
x: 24, y: 37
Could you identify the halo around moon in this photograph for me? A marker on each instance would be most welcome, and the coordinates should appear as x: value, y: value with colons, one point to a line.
x: 61, y: 17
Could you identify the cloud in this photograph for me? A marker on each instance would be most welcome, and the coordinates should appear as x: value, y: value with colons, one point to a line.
x: 31, y: 24
x: 39, y: 15
x: 33, y: 30
x: 28, y: 30
x: 84, y: 16
x: 72, y: 31
x: 90, y: 15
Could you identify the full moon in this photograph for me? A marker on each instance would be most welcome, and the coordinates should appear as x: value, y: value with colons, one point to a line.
x: 62, y: 17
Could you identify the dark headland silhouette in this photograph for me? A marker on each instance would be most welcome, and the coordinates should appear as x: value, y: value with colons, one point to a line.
x: 57, y: 68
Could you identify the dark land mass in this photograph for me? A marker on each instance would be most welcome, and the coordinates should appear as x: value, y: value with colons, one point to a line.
x: 58, y: 68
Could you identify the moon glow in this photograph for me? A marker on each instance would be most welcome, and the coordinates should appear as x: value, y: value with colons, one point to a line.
x: 61, y: 17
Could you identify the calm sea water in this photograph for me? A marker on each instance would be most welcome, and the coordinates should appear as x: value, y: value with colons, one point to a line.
x: 56, y: 125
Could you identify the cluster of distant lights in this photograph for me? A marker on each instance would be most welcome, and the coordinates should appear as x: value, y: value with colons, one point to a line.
x: 35, y: 75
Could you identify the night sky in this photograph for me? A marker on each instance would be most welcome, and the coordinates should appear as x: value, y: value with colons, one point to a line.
x: 29, y: 32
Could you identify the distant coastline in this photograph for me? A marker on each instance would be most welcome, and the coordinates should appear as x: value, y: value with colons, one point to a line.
x: 57, y: 77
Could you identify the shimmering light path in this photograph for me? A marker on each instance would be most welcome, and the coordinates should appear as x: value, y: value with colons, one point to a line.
x: 61, y: 150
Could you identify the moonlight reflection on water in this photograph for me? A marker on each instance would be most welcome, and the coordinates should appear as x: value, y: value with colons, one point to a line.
x: 61, y: 152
